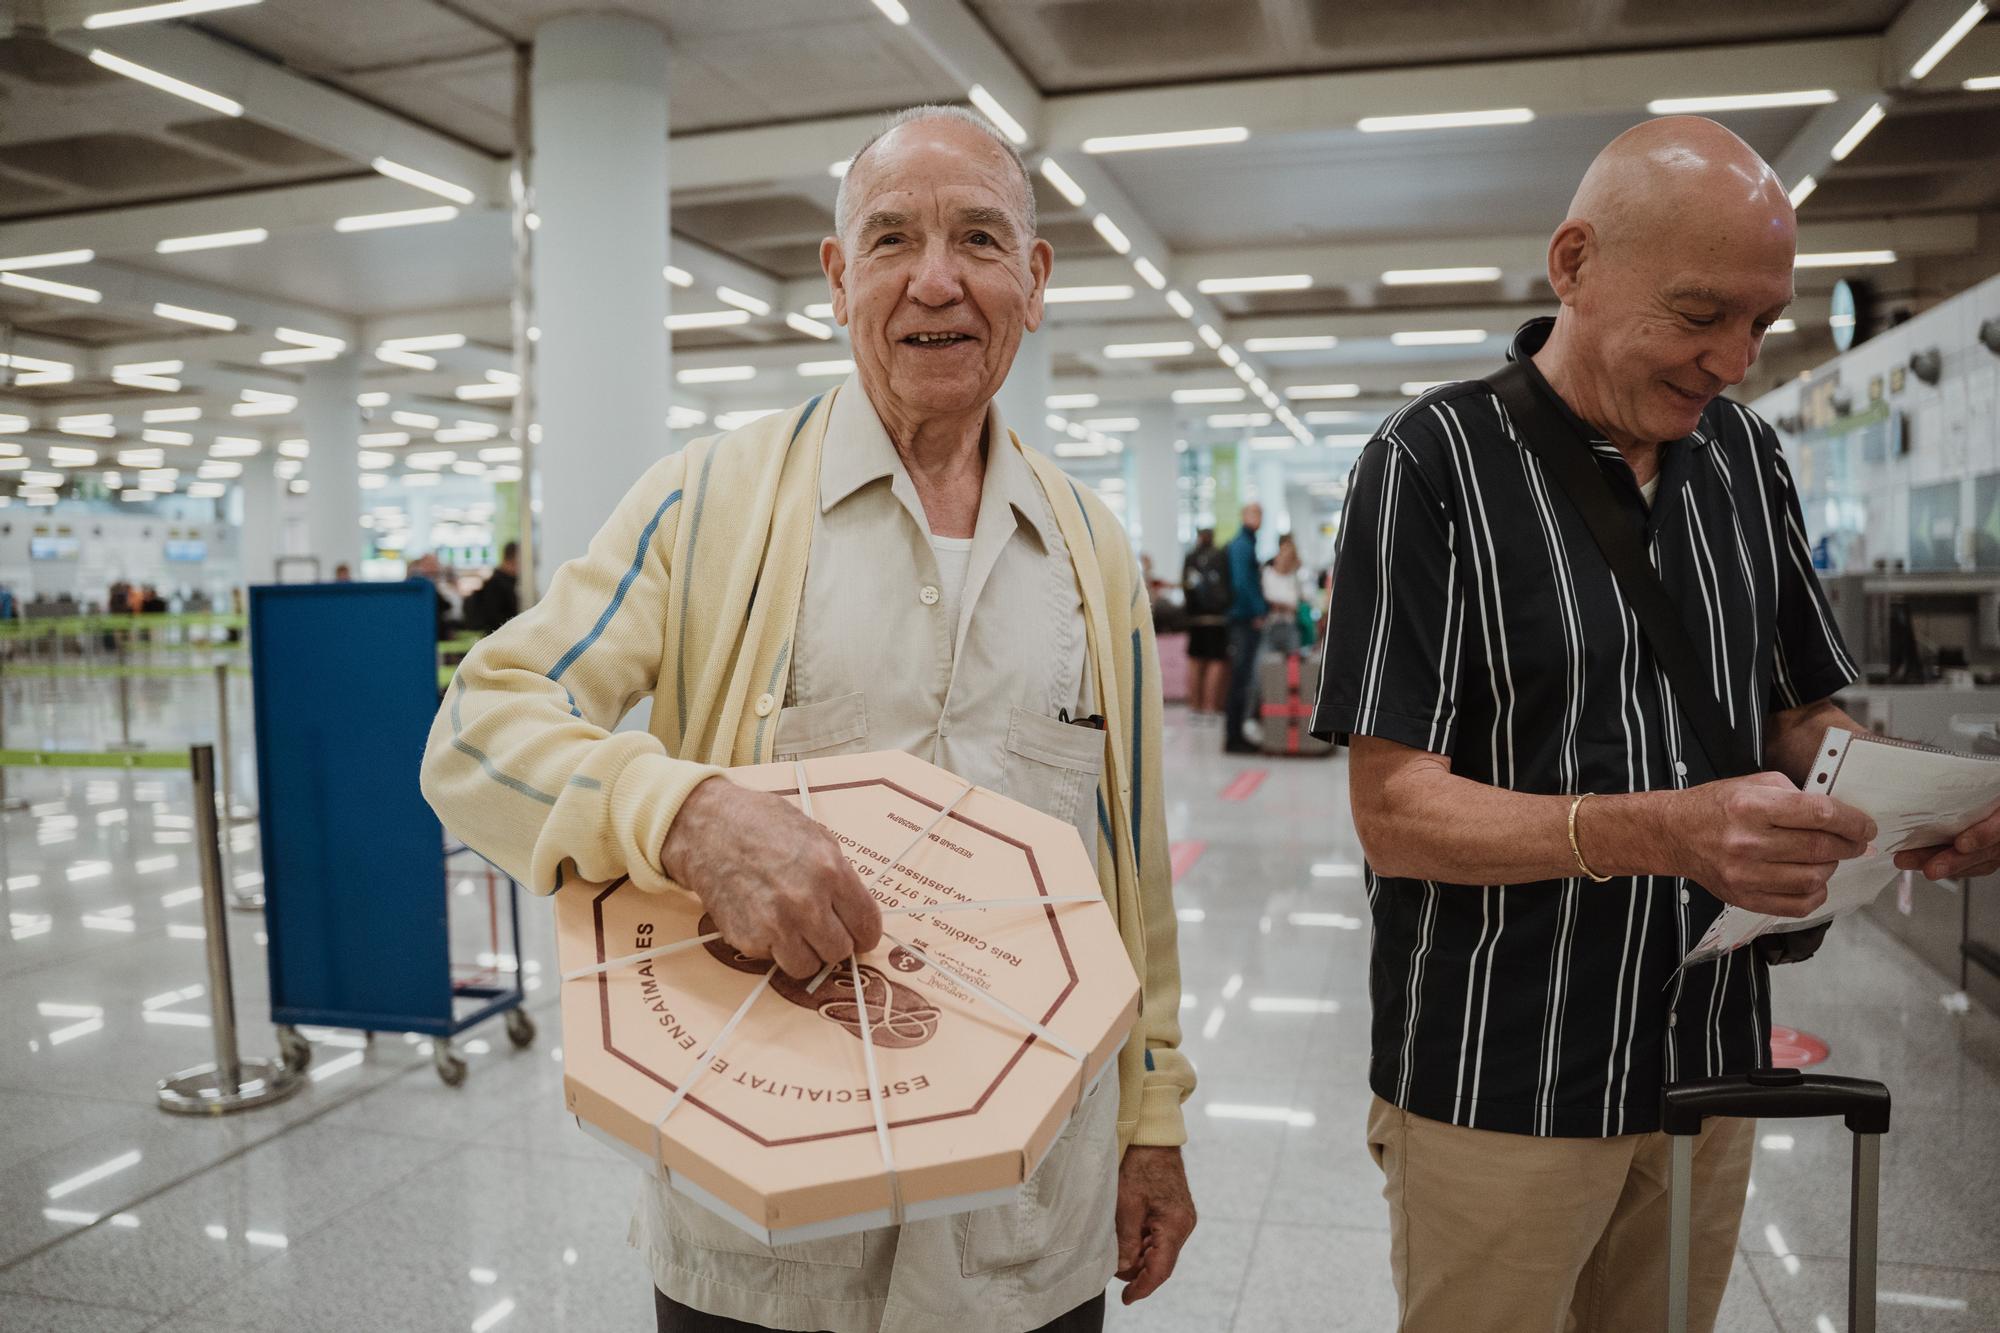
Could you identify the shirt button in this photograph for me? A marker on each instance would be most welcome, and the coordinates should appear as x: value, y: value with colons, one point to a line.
x: 1680, y: 769
x: 1684, y: 895
x: 929, y: 596
x: 1673, y: 1020
x: 765, y: 703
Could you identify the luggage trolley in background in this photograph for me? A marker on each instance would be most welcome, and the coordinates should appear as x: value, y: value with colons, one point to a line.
x: 357, y: 876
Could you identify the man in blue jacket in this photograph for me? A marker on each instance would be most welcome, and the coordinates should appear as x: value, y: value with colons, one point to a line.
x: 1246, y: 625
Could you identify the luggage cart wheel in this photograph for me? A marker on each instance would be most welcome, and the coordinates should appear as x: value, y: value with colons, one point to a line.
x: 293, y: 1048
x: 520, y: 1028
x: 450, y: 1064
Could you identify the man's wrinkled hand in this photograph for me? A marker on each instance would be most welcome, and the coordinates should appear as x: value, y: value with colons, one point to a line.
x: 1155, y: 1218
x: 1762, y: 844
x: 775, y: 882
x: 1972, y: 853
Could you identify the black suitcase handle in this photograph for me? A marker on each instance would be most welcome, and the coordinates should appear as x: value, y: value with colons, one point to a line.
x: 1777, y: 1094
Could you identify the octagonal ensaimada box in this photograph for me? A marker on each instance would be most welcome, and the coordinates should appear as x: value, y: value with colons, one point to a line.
x: 779, y: 1132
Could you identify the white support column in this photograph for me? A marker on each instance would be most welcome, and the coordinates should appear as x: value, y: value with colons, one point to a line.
x: 1270, y: 474
x: 1023, y: 398
x: 260, y: 533
x: 1155, y: 492
x: 603, y: 362
x: 333, y: 498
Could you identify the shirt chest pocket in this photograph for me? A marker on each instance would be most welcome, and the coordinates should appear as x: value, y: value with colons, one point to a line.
x: 832, y: 726
x: 1051, y: 765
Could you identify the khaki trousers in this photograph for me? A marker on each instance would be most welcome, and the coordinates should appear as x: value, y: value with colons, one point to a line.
x: 1516, y: 1234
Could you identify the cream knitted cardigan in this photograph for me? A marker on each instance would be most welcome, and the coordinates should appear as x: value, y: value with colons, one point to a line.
x: 690, y: 594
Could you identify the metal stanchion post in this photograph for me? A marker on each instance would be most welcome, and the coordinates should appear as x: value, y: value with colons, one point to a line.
x: 231, y: 1083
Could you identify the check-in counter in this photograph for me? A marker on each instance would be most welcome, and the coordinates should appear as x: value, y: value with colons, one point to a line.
x: 1954, y: 925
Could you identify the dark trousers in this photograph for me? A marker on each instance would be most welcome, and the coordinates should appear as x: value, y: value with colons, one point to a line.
x: 677, y: 1318
x: 1245, y: 636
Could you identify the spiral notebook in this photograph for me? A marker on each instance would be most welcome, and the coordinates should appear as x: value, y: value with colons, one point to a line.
x: 1918, y: 796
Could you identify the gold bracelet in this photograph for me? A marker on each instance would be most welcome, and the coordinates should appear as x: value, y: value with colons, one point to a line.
x: 1576, y: 849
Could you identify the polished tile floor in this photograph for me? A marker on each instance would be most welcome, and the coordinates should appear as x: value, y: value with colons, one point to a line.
x: 380, y: 1199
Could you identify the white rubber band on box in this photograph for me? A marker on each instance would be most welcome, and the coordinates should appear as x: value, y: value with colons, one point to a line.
x: 701, y: 1065
x: 626, y: 960
x: 875, y: 1083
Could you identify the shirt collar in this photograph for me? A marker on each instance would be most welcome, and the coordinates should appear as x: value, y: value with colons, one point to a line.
x: 858, y: 451
x: 1529, y: 339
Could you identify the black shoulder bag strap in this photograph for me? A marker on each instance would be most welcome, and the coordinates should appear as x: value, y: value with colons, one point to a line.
x: 1567, y: 457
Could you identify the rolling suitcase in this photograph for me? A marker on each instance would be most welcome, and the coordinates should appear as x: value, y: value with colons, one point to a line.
x: 1780, y: 1094
x: 1283, y: 710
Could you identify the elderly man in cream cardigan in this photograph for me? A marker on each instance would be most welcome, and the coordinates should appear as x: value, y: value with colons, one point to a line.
x: 885, y: 566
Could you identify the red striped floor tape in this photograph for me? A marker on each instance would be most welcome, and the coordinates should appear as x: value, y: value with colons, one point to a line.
x: 1184, y: 855
x: 1244, y: 784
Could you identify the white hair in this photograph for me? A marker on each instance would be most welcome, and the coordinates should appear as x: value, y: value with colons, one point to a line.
x: 912, y: 115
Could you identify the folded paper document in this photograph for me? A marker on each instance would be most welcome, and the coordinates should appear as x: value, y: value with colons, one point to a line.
x: 1917, y: 796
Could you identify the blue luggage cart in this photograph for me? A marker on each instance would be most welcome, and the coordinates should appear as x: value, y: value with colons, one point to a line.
x: 345, y: 683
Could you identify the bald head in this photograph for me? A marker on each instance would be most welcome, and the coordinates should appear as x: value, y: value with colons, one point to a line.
x: 1675, y: 259
x: 1665, y: 178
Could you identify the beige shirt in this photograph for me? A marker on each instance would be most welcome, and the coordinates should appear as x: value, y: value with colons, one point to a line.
x: 883, y: 663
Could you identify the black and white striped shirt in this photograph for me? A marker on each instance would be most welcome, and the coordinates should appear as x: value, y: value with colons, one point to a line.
x: 1473, y: 617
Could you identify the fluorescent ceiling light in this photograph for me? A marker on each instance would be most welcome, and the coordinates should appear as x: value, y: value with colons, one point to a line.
x: 823, y: 310
x: 707, y: 319
x: 429, y: 342
x: 291, y: 356
x: 1131, y: 351
x: 893, y: 11
x: 1229, y: 395
x: 166, y: 83
x: 1277, y: 282
x: 1111, y: 423
x: 1065, y: 184
x: 823, y: 369
x: 131, y: 368
x: 1787, y: 325
x: 300, y: 338
x: 66, y: 290
x: 1331, y: 418
x: 1803, y: 190
x: 1067, y: 401
x: 469, y: 467
x: 434, y: 461
x: 141, y: 458
x: 715, y: 374
x: 219, y: 471
x: 423, y: 180
x: 408, y: 217
x: 990, y: 107
x: 10, y: 424
x: 1146, y: 269
x: 216, y: 240
x: 1226, y: 420
x: 90, y: 423
x: 235, y: 446
x: 375, y: 398
x: 165, y: 414
x: 733, y: 420
x: 838, y: 170
x: 1941, y: 48
x: 1317, y: 342
x: 163, y: 383
x: 43, y: 479
x: 1230, y: 356
x: 1258, y: 387
x: 114, y: 18
x: 295, y: 449
x: 1446, y: 120
x: 1438, y: 337
x: 1134, y: 143
x: 373, y: 460
x: 679, y: 277
x: 1273, y: 442
x: 1209, y: 336
x: 1243, y: 371
x: 744, y: 301
x: 1113, y: 237
x: 69, y: 455
x: 812, y: 328
x: 1413, y: 277
x: 501, y: 453
x: 1415, y: 387
x: 415, y: 420
x: 1075, y: 295
x: 682, y: 417
x: 1314, y: 392
x: 478, y: 392
x: 1852, y: 139
x: 1678, y: 106
x: 1340, y: 441
x: 187, y: 315
x: 412, y: 360
x: 1985, y: 83
x: 177, y: 437
x: 1844, y: 258
x: 466, y: 432
x: 53, y: 259
x: 1181, y: 305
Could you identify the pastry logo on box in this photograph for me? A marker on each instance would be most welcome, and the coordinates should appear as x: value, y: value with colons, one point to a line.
x: 898, y: 1017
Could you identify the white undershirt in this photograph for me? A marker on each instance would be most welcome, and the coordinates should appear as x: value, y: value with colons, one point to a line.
x: 954, y: 556
x: 1646, y: 492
